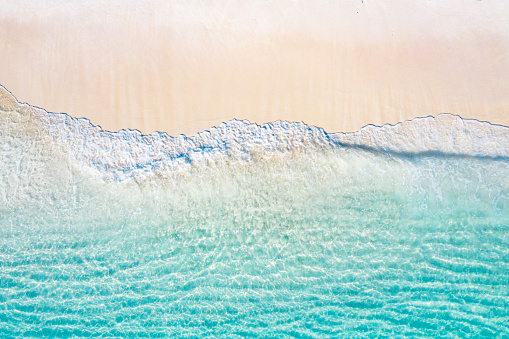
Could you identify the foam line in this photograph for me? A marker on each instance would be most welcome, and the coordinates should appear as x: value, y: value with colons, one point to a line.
x: 445, y: 133
x: 121, y: 155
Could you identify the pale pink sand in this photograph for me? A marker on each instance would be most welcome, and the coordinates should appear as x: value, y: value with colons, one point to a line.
x: 183, y: 67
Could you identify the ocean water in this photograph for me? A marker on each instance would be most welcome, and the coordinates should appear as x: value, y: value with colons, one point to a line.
x: 274, y: 231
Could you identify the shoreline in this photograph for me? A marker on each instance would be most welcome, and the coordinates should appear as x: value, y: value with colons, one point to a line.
x: 129, y: 155
x: 9, y: 102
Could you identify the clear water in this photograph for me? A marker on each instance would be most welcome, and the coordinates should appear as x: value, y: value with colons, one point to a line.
x: 313, y: 243
x: 251, y: 231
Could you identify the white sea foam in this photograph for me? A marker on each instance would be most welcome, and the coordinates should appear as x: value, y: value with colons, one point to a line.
x: 118, y: 156
x: 446, y: 133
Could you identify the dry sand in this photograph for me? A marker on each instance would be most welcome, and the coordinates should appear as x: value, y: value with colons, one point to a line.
x: 184, y: 66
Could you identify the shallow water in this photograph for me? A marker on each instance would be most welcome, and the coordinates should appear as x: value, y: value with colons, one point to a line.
x: 339, y: 242
x: 305, y: 238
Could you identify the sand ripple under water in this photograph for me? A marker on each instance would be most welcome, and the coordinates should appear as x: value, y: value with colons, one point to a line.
x: 280, y: 230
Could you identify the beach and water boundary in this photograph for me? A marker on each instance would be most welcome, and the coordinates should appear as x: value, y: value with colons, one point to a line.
x: 119, y: 154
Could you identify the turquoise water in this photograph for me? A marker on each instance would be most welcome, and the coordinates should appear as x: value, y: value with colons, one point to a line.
x: 317, y: 243
x: 274, y: 231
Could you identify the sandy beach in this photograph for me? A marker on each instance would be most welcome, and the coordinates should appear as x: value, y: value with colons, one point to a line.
x: 183, y: 67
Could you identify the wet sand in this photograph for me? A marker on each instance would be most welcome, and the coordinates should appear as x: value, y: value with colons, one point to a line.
x: 184, y: 67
